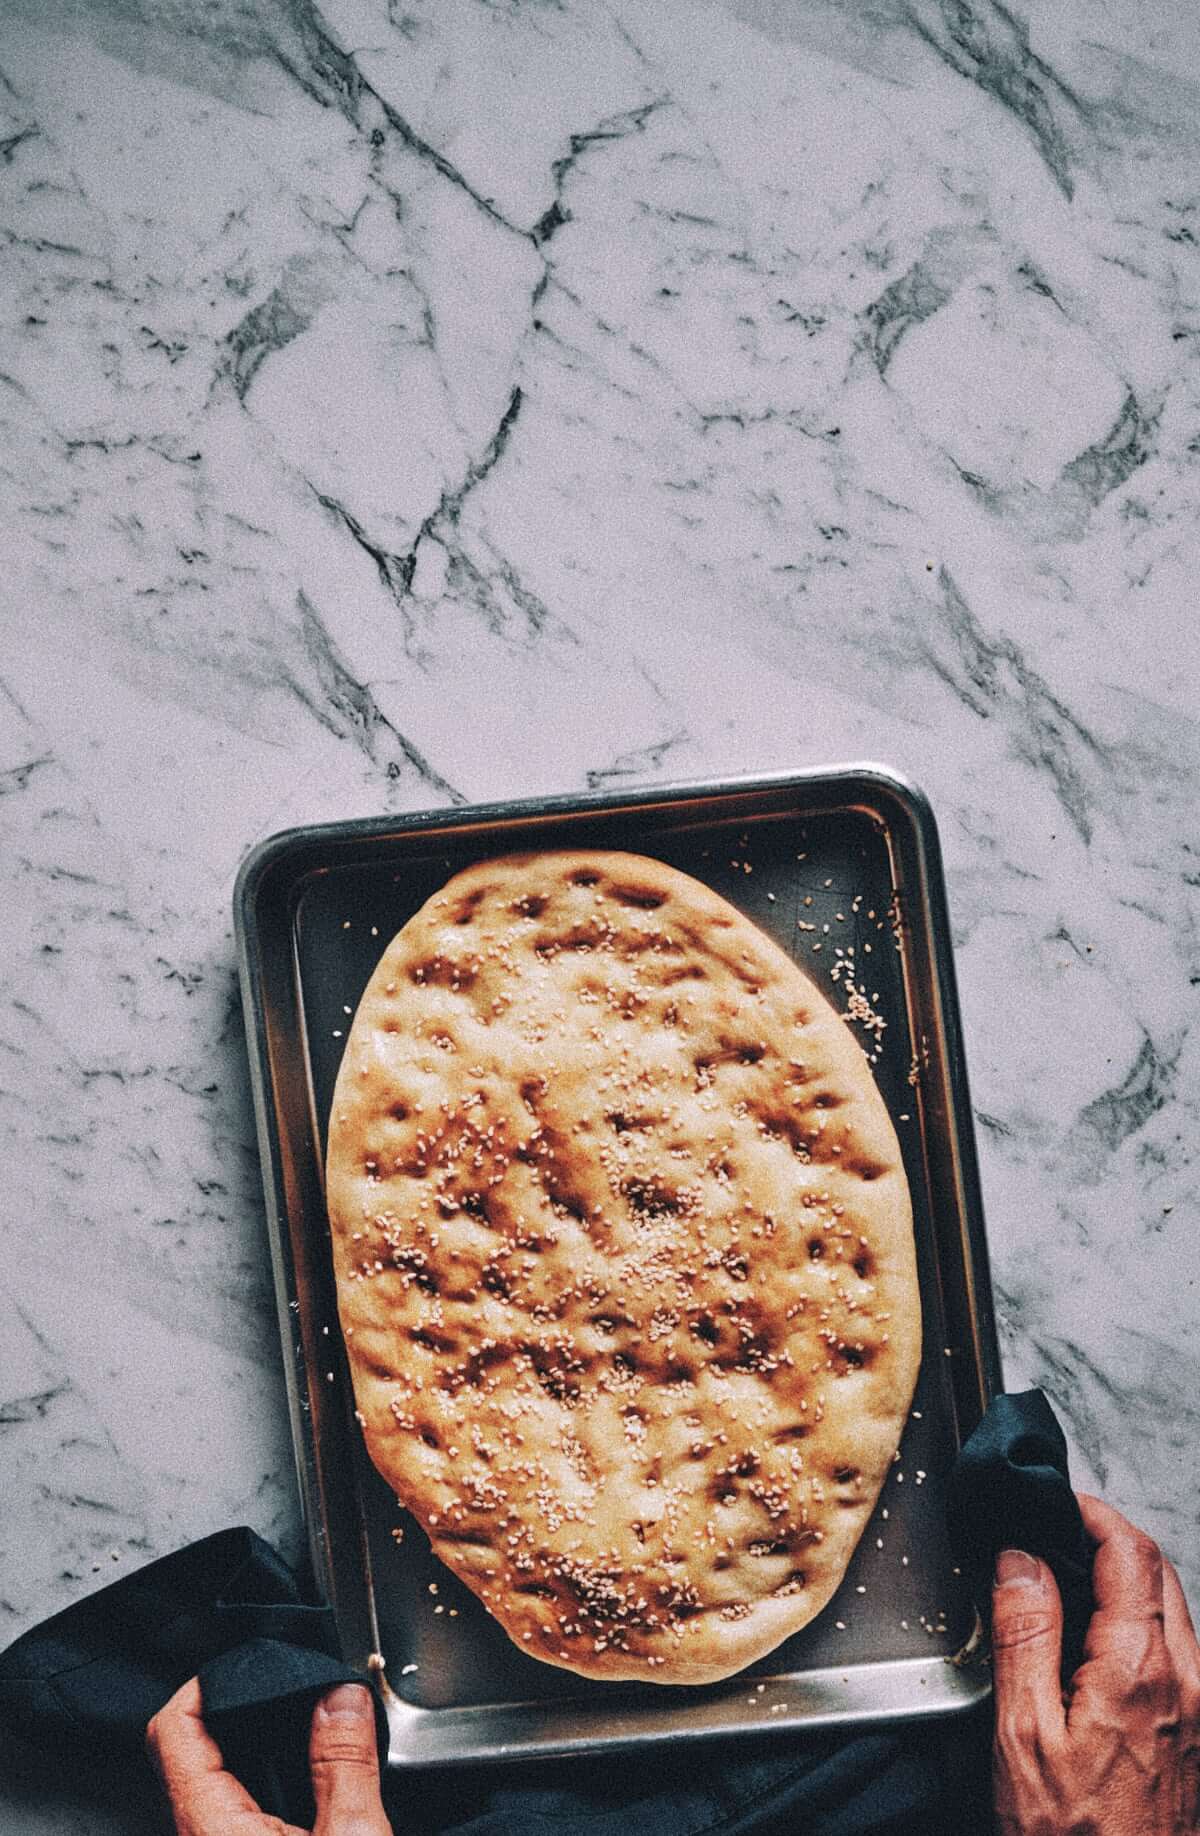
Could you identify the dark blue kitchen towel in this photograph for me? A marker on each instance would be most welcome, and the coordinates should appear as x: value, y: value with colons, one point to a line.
x: 1011, y: 1488
x: 86, y: 1682
x: 80, y: 1688
x: 928, y: 1779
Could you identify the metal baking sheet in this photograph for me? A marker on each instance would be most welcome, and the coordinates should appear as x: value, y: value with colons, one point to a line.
x: 824, y: 862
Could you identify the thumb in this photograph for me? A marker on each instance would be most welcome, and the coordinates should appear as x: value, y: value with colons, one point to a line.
x: 1027, y: 1621
x: 345, y: 1764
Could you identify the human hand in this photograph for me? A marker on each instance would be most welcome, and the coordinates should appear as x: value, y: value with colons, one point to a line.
x: 1118, y: 1752
x: 206, y: 1800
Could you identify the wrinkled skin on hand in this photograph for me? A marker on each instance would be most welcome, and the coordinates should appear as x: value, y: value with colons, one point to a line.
x: 1118, y: 1752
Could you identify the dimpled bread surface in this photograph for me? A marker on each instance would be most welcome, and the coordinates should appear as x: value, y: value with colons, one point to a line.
x: 624, y: 1260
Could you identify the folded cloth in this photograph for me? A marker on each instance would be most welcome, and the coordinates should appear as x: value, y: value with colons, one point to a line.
x: 1010, y: 1488
x: 926, y: 1779
x: 90, y: 1679
x: 82, y: 1686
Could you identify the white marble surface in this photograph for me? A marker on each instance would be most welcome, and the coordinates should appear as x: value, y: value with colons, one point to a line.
x: 412, y: 403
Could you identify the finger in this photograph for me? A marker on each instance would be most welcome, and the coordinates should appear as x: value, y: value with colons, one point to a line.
x: 1127, y: 1669
x: 1026, y: 1648
x: 1179, y: 1631
x: 1185, y: 1656
x: 1127, y: 1584
x: 345, y: 1765
x: 205, y: 1799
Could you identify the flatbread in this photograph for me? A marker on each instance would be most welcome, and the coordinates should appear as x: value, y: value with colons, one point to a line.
x: 624, y: 1260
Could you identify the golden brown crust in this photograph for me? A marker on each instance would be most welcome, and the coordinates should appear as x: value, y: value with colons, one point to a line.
x: 625, y: 1263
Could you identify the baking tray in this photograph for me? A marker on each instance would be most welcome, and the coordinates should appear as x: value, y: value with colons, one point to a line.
x: 822, y: 861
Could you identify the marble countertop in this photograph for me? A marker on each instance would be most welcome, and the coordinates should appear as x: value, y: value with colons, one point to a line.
x: 410, y: 404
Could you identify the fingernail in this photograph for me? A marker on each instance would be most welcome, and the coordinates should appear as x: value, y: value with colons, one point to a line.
x: 1014, y: 1568
x: 348, y: 1702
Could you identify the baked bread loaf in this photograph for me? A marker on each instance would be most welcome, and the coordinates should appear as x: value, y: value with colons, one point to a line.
x: 624, y: 1260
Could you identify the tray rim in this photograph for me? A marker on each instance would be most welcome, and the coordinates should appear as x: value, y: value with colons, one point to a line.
x: 267, y: 853
x: 254, y: 879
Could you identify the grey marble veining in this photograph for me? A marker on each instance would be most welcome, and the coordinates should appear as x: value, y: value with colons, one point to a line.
x: 410, y: 404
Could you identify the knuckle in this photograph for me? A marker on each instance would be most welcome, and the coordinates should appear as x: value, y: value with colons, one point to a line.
x: 1146, y: 1554
x: 1011, y: 1630
x: 344, y: 1753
